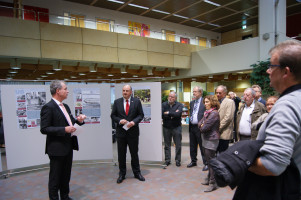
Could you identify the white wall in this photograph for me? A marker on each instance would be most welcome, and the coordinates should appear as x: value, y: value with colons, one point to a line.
x: 226, y: 58
x: 59, y: 7
x: 26, y: 147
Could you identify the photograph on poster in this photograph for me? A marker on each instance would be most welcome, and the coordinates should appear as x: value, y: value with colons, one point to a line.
x: 87, y: 102
x: 29, y: 103
x: 144, y: 95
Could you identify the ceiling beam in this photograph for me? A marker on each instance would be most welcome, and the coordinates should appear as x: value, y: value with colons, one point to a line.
x: 155, y: 6
x: 124, y: 5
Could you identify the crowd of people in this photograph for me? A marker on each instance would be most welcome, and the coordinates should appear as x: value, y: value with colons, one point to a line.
x: 215, y: 120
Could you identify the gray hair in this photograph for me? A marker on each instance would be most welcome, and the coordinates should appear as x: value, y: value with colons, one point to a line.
x: 252, y: 91
x: 173, y: 92
x: 56, y: 84
x: 224, y: 88
x: 199, y: 89
x: 129, y: 86
x: 257, y: 86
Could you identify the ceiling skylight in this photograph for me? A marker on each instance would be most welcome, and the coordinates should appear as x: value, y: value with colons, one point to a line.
x: 116, y: 1
x: 159, y: 11
x: 212, y: 3
x: 137, y: 6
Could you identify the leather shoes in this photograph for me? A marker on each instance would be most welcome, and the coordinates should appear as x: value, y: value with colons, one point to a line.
x: 205, y: 168
x: 139, y: 177
x: 192, y: 164
x: 166, y: 163
x: 120, y: 178
x: 178, y: 163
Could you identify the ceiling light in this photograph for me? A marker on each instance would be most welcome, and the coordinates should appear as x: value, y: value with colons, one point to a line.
x: 137, y: 6
x: 73, y: 77
x: 172, y: 73
x: 38, y: 78
x: 193, y: 79
x: 150, y: 72
x: 15, y: 64
x: 198, y: 21
x: 135, y: 76
x: 160, y: 11
x: 244, y: 26
x: 44, y: 76
x: 115, y: 1
x: 66, y: 79
x: 110, y: 75
x: 212, y: 3
x: 210, y: 76
x: 92, y: 68
x: 123, y: 70
x: 122, y: 78
x: 49, y: 72
x: 226, y: 76
x: 239, y: 77
x: 13, y: 71
x: 81, y: 74
x: 214, y: 24
x: 57, y: 66
x: 180, y: 16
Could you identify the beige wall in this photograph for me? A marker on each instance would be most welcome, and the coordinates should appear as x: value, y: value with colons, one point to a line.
x: 236, y: 35
x: 20, y: 38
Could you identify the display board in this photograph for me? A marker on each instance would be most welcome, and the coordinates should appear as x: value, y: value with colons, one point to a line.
x: 150, y: 140
x: 25, y: 146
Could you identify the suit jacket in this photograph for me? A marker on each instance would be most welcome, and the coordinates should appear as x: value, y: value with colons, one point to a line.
x: 201, y: 110
x: 53, y: 123
x: 135, y: 114
x: 226, y: 114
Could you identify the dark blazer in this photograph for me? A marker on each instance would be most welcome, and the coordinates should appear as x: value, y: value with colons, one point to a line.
x: 135, y: 114
x: 172, y: 119
x: 209, y: 126
x: 53, y: 123
x: 201, y: 110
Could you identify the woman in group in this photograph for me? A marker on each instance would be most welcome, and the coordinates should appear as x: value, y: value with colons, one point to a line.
x: 269, y: 105
x: 209, y: 128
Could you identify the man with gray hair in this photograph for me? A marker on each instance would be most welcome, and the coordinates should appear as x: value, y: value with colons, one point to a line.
x: 248, y: 114
x: 258, y: 94
x: 197, y: 110
x: 226, y: 113
x: 172, y: 127
x: 280, y: 154
x: 57, y: 123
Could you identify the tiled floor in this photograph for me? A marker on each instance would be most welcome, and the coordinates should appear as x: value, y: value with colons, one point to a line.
x: 98, y: 181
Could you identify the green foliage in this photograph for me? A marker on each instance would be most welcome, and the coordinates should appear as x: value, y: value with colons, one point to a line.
x: 164, y: 97
x: 205, y: 93
x: 260, y: 77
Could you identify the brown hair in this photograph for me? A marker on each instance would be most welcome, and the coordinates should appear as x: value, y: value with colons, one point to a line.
x: 213, y: 100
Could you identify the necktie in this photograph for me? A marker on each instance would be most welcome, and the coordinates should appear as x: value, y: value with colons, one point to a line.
x: 66, y: 114
x: 195, y: 107
x: 127, y: 107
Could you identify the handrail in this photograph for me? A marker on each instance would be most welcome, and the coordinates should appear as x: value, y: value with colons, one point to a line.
x: 92, y: 24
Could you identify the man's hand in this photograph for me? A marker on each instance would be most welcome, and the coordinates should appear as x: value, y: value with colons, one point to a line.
x: 123, y: 121
x: 81, y: 118
x: 70, y: 129
x: 131, y: 124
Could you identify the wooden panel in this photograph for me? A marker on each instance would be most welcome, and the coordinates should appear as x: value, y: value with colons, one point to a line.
x: 102, y: 24
x: 170, y: 35
x: 77, y: 20
x: 202, y: 41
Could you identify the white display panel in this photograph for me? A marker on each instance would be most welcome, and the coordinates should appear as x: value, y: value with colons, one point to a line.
x: 150, y: 140
x: 26, y: 147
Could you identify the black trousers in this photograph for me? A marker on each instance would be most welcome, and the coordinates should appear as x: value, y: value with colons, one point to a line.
x: 132, y: 143
x: 222, y: 145
x: 195, y: 140
x: 59, y: 176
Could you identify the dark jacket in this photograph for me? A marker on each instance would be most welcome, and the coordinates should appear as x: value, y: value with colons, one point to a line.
x: 53, y: 123
x: 135, y: 114
x: 174, y: 116
x: 200, y: 113
x: 209, y: 126
x: 231, y: 165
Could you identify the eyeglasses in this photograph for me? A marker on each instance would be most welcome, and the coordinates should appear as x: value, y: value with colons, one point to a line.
x: 271, y: 66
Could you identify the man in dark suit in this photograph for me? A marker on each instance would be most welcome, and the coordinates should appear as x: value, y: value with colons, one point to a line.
x: 127, y: 113
x: 197, y: 110
x: 57, y: 123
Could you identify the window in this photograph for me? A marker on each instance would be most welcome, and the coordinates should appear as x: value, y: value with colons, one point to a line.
x: 77, y: 20
x: 202, y: 41
x: 213, y: 43
x: 168, y: 35
x: 184, y: 40
x: 102, y: 24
